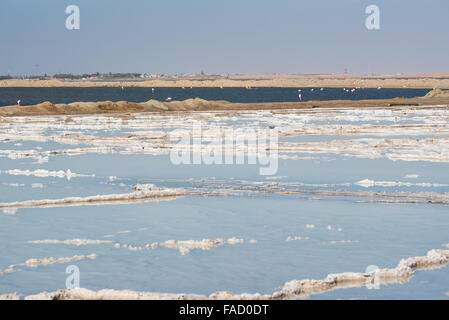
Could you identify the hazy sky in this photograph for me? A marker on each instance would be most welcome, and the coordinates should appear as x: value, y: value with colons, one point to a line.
x: 233, y: 36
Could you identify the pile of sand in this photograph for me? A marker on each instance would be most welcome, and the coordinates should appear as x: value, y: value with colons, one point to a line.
x: 47, y: 108
x: 437, y: 93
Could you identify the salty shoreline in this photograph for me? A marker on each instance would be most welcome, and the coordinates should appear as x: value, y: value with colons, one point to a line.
x: 295, y: 289
x: 413, y: 129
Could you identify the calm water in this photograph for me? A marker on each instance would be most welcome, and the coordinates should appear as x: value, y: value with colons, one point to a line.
x: 364, y: 232
x: 246, y: 267
x: 30, y: 96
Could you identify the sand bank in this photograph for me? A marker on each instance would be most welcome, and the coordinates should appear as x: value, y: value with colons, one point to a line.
x: 274, y: 80
x: 47, y: 108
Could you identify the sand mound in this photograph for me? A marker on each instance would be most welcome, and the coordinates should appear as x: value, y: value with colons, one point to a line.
x: 437, y: 93
x: 47, y: 108
x: 197, y: 104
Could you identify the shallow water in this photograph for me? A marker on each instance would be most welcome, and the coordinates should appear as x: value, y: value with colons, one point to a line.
x: 343, y: 224
x: 247, y: 267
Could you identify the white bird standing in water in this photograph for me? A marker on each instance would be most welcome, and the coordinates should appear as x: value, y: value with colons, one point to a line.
x: 152, y: 90
x: 18, y: 102
x: 300, y: 97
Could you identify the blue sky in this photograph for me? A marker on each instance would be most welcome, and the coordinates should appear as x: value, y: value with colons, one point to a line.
x: 234, y: 36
